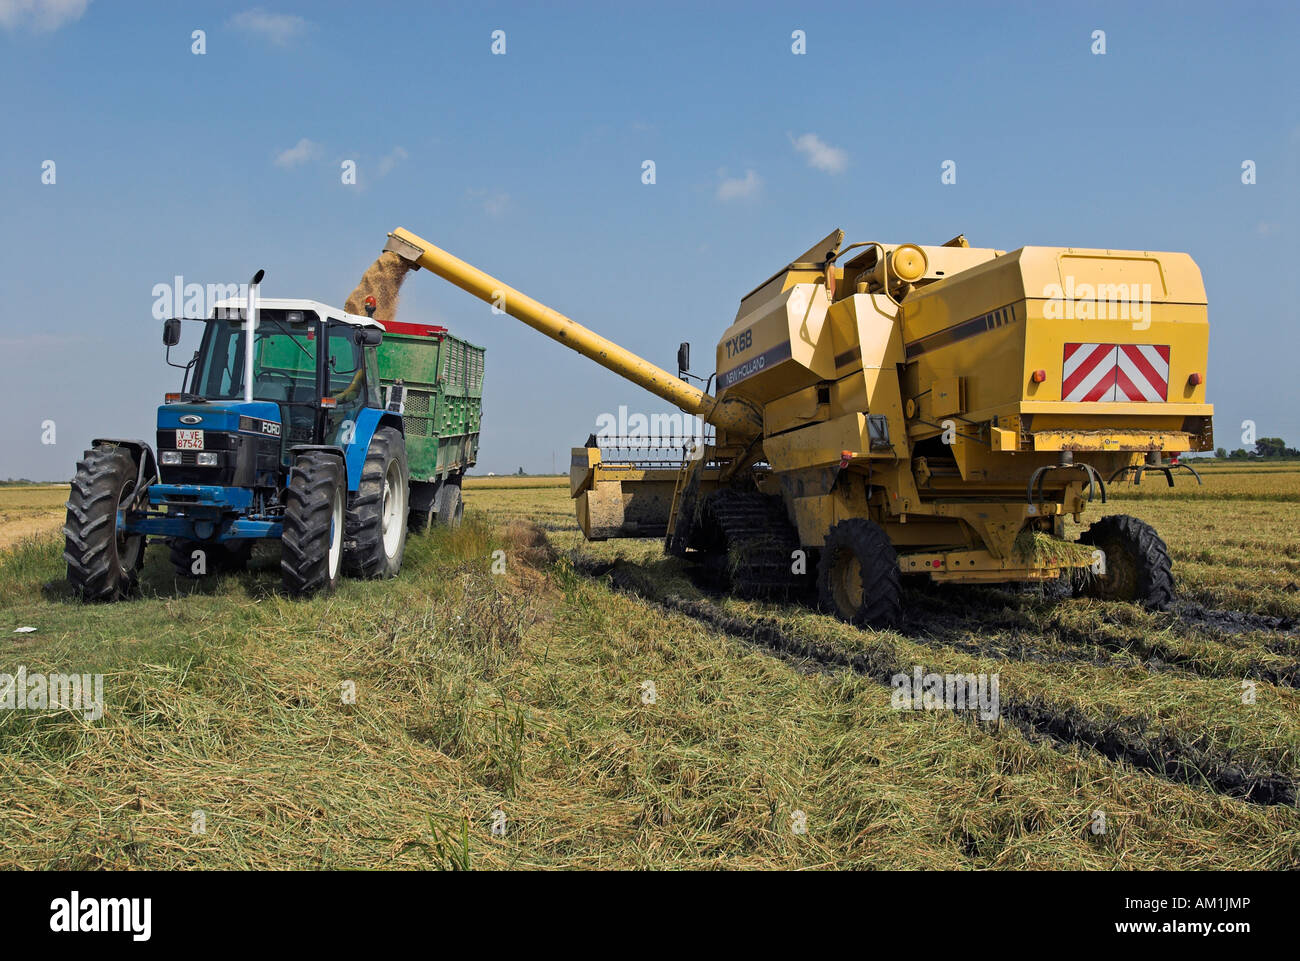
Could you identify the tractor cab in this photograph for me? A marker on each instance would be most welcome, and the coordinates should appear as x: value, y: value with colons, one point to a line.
x: 314, y: 374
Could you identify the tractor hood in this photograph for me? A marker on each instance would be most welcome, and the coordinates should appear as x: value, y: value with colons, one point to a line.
x: 259, y: 416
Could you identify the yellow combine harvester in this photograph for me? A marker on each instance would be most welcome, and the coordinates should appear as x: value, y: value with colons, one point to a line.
x: 909, y: 409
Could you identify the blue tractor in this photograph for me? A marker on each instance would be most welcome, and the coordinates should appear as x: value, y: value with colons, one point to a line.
x: 280, y: 432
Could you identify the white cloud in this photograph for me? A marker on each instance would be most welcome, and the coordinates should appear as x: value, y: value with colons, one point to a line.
x: 735, y: 188
x: 495, y: 202
x: 820, y: 154
x: 42, y: 16
x: 298, y: 154
x: 386, y: 164
x: 278, y: 28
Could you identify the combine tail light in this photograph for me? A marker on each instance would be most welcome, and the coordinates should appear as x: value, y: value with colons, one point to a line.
x: 1194, y: 380
x: 1039, y: 376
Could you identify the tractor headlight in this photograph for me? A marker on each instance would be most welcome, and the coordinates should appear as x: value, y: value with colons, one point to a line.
x: 171, y: 458
x: 207, y: 459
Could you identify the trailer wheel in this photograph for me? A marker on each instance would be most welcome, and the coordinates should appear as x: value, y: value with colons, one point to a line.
x: 311, y: 547
x: 1138, y: 568
x: 103, y: 565
x: 221, y: 558
x: 857, y: 574
x: 450, y: 504
x: 377, y: 512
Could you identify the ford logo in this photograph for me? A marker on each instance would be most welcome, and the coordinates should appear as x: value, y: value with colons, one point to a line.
x: 191, y: 419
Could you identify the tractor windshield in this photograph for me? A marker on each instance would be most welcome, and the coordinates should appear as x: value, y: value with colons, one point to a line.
x: 284, y: 358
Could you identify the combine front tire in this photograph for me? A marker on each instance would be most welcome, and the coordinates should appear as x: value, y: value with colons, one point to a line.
x: 103, y: 565
x: 311, y: 547
x: 857, y: 576
x: 377, y: 515
x: 1137, y: 563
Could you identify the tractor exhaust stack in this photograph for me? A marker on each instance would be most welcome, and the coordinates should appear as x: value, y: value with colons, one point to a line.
x: 250, y: 329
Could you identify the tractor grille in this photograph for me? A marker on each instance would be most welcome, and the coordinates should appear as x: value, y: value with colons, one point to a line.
x: 266, y: 450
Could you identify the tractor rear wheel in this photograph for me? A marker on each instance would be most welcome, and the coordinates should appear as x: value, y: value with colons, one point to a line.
x: 857, y: 575
x: 103, y: 564
x: 1138, y: 568
x: 377, y: 512
x: 450, y: 504
x: 311, y: 546
x: 220, y: 558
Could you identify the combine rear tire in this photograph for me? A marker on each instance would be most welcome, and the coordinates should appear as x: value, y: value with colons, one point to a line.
x: 450, y: 504
x: 857, y: 576
x: 221, y: 558
x: 1138, y: 568
x: 311, y: 547
x: 377, y: 513
x: 103, y: 565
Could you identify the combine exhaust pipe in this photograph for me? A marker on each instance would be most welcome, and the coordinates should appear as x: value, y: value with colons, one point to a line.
x: 738, y: 418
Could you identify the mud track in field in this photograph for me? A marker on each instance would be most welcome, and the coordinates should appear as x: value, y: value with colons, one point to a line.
x: 1122, y: 739
x: 948, y: 620
x: 1235, y: 622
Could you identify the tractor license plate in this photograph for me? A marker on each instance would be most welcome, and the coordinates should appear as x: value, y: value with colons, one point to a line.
x: 189, y: 440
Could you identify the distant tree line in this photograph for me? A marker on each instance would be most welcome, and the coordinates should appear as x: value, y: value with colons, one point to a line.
x: 1266, y: 448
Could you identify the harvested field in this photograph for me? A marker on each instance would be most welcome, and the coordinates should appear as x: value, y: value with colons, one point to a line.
x: 619, y: 713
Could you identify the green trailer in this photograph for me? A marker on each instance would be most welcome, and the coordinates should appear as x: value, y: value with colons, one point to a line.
x: 436, y: 381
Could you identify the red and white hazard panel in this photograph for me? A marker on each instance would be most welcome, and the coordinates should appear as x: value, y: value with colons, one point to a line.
x: 1116, y: 372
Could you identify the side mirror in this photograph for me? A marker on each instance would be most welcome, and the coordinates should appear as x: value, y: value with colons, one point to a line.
x: 369, y: 336
x: 683, y: 358
x: 171, y: 332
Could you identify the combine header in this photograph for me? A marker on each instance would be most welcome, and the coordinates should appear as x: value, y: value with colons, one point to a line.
x: 891, y: 409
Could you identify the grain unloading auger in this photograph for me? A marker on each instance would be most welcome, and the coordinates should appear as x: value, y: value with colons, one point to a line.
x: 929, y: 410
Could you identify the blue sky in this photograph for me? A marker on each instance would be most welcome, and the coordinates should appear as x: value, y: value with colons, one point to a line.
x: 529, y: 165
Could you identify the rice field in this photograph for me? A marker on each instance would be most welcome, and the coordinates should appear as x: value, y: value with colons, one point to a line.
x: 592, y: 706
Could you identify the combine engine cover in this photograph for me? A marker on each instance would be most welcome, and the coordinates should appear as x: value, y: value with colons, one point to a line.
x: 1059, y: 349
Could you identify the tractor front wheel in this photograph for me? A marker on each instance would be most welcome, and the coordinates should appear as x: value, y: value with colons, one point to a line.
x: 1138, y: 568
x: 377, y: 512
x: 857, y: 575
x: 103, y: 563
x: 311, y: 546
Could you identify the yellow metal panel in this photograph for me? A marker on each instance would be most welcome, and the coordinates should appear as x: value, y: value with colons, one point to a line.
x: 582, y: 468
x: 947, y: 396
x: 780, y: 345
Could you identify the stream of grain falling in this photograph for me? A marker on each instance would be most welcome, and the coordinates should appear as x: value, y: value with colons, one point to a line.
x: 382, y: 280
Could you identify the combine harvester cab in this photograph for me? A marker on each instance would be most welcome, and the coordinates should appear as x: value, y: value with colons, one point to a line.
x: 928, y: 410
x: 296, y: 434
